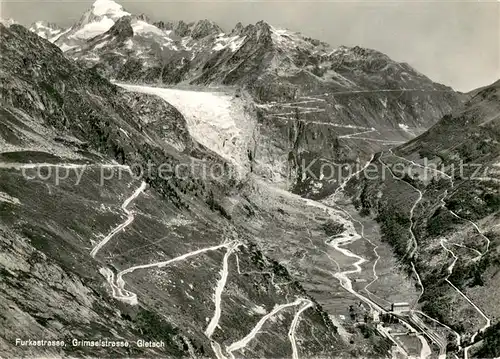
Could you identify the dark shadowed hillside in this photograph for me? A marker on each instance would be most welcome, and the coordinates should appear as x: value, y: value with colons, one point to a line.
x: 439, y: 207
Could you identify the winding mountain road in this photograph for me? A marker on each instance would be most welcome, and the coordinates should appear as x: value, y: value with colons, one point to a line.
x: 293, y: 327
x: 350, y: 177
x: 214, y: 322
x: 242, y: 343
x: 120, y: 293
x: 122, y: 226
x: 476, y: 227
x: 427, y: 168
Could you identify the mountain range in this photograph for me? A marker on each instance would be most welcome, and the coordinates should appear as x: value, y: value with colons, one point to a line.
x: 294, y: 80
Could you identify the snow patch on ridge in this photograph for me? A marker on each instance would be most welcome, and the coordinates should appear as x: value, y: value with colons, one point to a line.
x: 101, y: 45
x: 142, y: 27
x: 7, y: 22
x: 4, y: 197
x: 65, y: 47
x: 44, y: 31
x: 233, y: 42
x: 129, y: 44
x: 94, y: 29
x: 406, y: 128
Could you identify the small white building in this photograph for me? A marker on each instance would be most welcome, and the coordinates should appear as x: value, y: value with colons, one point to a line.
x: 400, y: 307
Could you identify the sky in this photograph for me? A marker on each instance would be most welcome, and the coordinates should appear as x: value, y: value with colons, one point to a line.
x: 456, y: 43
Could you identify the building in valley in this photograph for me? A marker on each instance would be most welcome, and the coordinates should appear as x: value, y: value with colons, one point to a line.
x: 400, y: 307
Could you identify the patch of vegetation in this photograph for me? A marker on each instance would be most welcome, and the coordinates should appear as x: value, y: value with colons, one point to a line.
x: 367, y: 330
x: 333, y: 228
x: 472, y: 274
x: 215, y: 206
x: 436, y: 306
x: 379, y: 346
x: 52, y: 92
x: 441, y: 222
x: 475, y: 202
x: 394, y: 226
x: 491, y: 343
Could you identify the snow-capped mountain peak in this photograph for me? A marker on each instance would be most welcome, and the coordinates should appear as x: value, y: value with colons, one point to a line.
x: 133, y: 48
x: 97, y: 20
x: 108, y: 8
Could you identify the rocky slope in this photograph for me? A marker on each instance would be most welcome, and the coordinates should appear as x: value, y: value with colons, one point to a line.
x: 72, y: 147
x: 438, y: 201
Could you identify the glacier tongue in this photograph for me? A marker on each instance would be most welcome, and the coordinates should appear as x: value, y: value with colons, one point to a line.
x: 214, y: 120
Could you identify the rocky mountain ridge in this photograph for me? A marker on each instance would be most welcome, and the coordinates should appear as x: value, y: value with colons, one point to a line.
x: 205, y: 43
